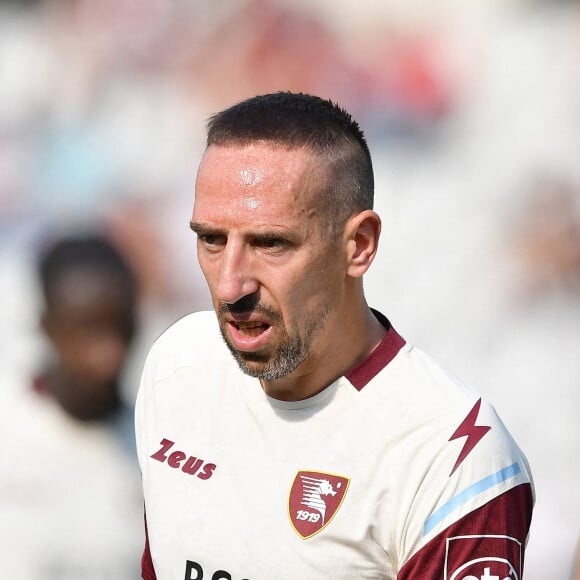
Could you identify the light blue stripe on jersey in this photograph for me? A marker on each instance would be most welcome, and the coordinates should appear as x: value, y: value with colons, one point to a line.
x: 473, y: 490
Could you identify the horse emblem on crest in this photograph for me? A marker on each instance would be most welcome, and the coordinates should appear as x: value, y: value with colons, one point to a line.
x: 314, y: 500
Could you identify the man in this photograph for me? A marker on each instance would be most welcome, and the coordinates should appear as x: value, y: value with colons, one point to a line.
x: 322, y: 445
x: 89, y: 318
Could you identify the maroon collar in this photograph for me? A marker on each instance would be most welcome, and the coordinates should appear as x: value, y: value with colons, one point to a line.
x: 379, y: 358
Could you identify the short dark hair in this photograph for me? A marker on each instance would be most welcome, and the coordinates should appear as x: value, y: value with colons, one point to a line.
x: 298, y: 120
x: 90, y: 252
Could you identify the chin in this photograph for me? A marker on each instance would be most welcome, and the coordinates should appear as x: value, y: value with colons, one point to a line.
x: 252, y: 364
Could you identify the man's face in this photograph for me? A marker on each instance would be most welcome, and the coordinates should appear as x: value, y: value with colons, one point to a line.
x: 89, y: 322
x: 275, y: 277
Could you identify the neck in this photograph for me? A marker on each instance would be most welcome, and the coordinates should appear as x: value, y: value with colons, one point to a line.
x: 332, y: 357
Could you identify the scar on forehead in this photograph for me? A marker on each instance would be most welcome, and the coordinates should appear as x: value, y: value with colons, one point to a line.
x: 250, y: 176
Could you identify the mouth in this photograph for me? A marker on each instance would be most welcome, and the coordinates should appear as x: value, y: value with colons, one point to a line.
x: 249, y: 335
x: 250, y: 328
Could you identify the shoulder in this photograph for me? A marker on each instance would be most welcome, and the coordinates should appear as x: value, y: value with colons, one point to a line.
x: 419, y: 390
x: 199, y: 326
x: 189, y: 355
x: 463, y: 471
x: 445, y: 412
x: 454, y: 435
x: 193, y: 344
x: 192, y: 340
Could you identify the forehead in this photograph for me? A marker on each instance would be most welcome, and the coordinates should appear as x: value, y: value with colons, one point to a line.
x: 82, y: 290
x: 256, y: 181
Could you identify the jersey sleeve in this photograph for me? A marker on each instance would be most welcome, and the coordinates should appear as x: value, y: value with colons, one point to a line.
x: 488, y: 543
x: 147, y: 570
x: 473, y: 508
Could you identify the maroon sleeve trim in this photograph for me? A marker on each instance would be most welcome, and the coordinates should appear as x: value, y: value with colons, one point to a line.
x: 488, y: 542
x: 147, y: 570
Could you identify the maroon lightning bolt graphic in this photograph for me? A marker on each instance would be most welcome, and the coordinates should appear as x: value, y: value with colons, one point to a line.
x: 473, y: 432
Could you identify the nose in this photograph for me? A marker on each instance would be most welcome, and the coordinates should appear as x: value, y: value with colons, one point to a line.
x: 236, y: 276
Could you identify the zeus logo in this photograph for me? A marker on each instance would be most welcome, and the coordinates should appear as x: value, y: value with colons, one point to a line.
x: 473, y: 432
x: 180, y: 460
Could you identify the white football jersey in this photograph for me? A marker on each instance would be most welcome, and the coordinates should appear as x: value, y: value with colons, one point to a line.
x: 394, y: 471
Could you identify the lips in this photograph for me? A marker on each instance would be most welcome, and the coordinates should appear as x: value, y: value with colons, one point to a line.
x: 250, y: 335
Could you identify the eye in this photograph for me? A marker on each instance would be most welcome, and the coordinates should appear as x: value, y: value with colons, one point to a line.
x: 271, y: 243
x: 212, y: 240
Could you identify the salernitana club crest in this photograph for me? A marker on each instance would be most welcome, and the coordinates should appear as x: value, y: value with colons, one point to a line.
x: 314, y: 500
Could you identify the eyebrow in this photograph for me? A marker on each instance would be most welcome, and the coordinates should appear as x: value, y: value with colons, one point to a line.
x: 198, y: 227
x: 201, y: 228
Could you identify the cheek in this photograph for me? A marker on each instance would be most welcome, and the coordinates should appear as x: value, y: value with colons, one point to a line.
x: 100, y: 357
x: 326, y: 275
x: 209, y: 271
x: 310, y: 294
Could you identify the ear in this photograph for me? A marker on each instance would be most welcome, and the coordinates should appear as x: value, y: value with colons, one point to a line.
x: 362, y: 231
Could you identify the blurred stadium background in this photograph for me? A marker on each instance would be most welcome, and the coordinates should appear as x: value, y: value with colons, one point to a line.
x: 472, y: 111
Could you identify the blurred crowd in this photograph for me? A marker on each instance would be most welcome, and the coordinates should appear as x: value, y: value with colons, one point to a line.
x: 472, y: 111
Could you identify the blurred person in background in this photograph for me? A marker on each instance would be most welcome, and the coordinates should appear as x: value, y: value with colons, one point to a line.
x: 90, y: 297
x: 69, y: 493
x: 547, y: 239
